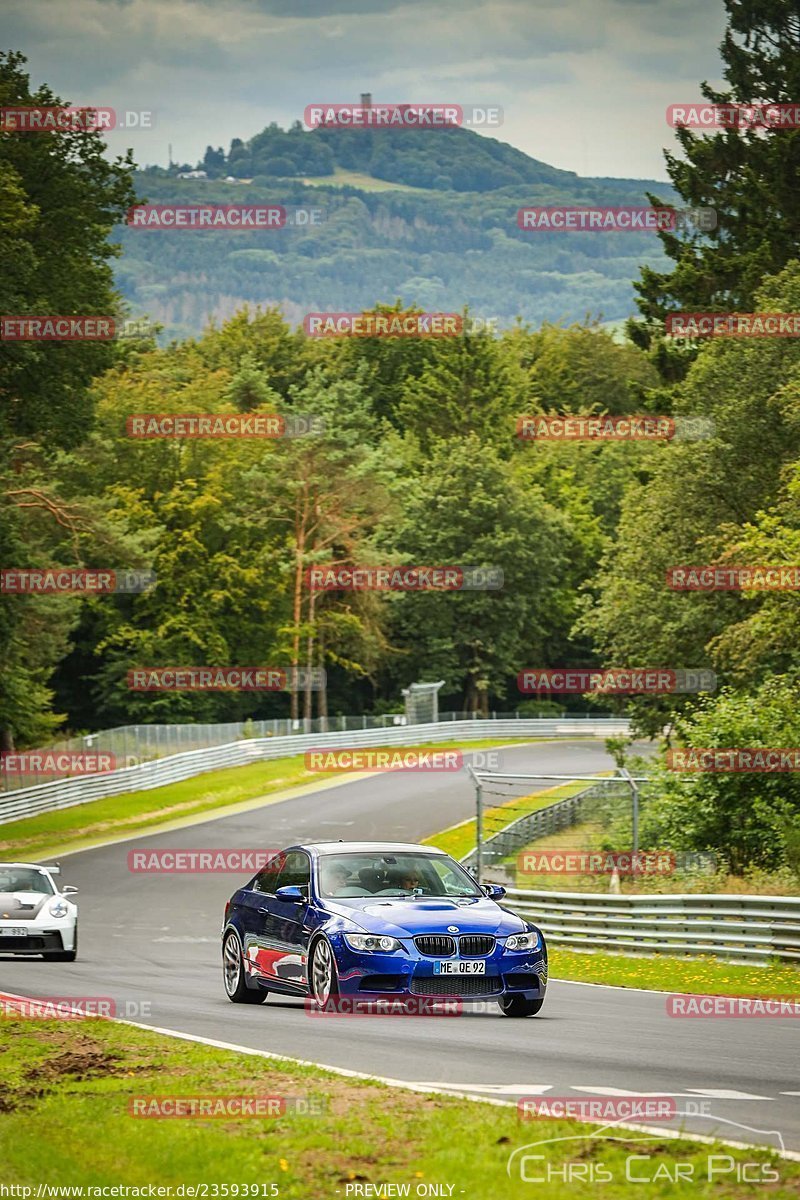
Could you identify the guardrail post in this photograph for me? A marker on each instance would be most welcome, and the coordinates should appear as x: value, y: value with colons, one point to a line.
x: 478, y: 830
x: 635, y: 790
x: 631, y: 782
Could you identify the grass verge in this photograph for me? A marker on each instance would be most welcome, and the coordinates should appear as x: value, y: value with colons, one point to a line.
x: 703, y: 975
x: 592, y: 835
x: 66, y: 1089
x: 91, y: 824
x: 358, y: 179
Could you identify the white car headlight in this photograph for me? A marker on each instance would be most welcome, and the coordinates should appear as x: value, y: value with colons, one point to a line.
x: 524, y: 941
x: 369, y: 941
x: 58, y: 908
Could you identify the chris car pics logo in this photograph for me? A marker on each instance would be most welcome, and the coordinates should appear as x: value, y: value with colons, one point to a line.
x: 578, y: 1160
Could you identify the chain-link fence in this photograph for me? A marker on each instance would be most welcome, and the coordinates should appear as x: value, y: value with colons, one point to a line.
x: 579, y: 833
x: 130, y: 745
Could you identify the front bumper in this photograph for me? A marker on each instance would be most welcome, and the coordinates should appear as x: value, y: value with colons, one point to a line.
x: 407, y: 972
x: 38, y: 939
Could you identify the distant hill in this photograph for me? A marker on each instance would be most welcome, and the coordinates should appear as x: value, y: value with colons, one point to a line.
x: 427, y: 216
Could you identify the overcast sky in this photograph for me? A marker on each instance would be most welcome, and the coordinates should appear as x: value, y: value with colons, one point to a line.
x: 583, y: 83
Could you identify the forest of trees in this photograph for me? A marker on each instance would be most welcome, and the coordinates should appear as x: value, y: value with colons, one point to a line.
x: 437, y: 249
x: 419, y: 463
x: 450, y: 159
x: 445, y: 235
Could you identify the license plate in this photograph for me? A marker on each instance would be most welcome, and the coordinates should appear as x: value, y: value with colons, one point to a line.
x: 459, y: 967
x: 13, y: 931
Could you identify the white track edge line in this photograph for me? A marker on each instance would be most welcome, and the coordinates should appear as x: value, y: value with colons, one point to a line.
x: 674, y: 1134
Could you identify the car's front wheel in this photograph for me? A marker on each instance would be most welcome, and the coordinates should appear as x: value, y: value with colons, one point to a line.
x: 518, y: 1006
x: 323, y: 975
x: 233, y: 974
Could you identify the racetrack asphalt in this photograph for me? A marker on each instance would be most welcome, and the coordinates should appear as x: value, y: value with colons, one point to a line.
x: 151, y: 942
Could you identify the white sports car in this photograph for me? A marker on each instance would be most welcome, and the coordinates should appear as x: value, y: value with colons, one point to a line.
x: 36, y: 916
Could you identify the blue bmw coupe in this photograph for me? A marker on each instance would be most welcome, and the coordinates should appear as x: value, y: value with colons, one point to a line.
x: 337, y: 920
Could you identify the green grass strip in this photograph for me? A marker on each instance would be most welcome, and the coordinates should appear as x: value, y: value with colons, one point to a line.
x: 67, y: 1089
x: 90, y: 824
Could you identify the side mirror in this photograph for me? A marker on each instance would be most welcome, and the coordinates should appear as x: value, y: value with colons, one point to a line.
x: 494, y: 891
x: 69, y: 890
x: 292, y: 894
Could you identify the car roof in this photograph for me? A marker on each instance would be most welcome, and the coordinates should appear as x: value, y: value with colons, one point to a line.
x: 32, y: 866
x: 322, y: 848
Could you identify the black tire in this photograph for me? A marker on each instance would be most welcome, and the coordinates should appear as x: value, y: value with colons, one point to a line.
x: 233, y: 978
x: 518, y: 1006
x: 320, y: 956
x: 63, y: 955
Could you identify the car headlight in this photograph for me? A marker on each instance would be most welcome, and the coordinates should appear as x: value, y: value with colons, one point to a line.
x: 524, y: 941
x: 58, y: 908
x: 369, y: 941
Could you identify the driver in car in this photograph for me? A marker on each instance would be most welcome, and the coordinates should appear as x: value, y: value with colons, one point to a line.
x: 335, y: 876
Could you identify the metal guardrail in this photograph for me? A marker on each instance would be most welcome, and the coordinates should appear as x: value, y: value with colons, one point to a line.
x: 133, y: 744
x: 64, y: 793
x: 749, y: 928
x: 130, y: 745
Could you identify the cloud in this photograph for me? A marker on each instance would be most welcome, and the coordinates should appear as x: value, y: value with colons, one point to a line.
x: 583, y: 85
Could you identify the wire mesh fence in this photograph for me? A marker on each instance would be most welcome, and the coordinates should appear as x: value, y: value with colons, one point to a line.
x: 580, y: 834
x: 129, y: 745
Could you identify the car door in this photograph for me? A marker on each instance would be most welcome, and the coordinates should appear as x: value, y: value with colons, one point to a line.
x: 289, y: 930
x: 255, y: 916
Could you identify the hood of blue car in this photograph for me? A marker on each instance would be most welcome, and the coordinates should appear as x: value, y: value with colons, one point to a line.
x: 406, y: 917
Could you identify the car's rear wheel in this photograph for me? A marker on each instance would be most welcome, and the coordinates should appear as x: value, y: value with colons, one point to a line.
x: 63, y: 955
x: 518, y: 1006
x: 233, y: 974
x: 323, y: 974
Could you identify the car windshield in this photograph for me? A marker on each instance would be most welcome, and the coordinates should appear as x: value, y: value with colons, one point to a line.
x: 403, y: 874
x: 24, y: 879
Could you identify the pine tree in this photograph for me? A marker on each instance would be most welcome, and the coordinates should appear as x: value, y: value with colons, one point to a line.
x: 750, y: 177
